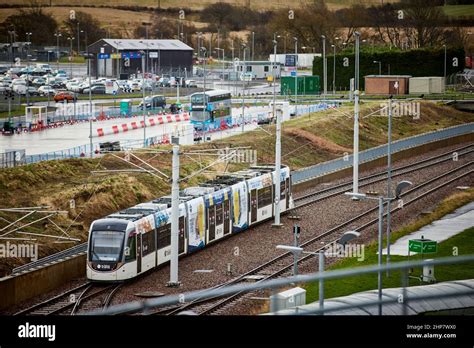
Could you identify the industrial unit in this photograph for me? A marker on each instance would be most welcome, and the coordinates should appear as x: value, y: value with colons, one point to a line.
x: 258, y: 69
x: 386, y: 84
x: 122, y: 57
x: 426, y: 85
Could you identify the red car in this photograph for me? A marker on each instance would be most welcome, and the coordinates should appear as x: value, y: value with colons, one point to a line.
x: 64, y: 96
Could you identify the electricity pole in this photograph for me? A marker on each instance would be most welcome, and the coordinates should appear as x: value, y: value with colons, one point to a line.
x: 277, y: 145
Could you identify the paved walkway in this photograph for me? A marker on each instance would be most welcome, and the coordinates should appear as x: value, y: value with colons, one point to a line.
x: 440, y: 230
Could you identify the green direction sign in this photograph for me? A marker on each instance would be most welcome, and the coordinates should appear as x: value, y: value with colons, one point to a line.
x: 424, y: 246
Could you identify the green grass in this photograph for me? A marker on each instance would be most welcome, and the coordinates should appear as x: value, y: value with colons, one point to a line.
x: 462, y: 241
x: 459, y: 10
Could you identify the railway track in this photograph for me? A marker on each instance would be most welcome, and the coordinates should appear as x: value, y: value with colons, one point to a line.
x: 283, y: 263
x: 302, y: 201
x: 319, y: 195
x: 72, y: 301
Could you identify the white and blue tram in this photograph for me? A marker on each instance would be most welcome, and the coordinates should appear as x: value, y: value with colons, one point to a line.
x: 135, y: 240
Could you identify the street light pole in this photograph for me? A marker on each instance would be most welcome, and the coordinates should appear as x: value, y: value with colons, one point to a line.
x: 445, y: 61
x: 296, y: 76
x: 277, y: 144
x: 356, y: 118
x: 71, y: 39
x: 325, y: 66
x: 28, y: 68
x: 90, y: 103
x: 334, y: 71
x: 380, y: 66
x: 57, y: 34
x: 253, y: 45
x: 389, y: 177
x: 244, y: 68
x: 379, y: 258
x: 78, y: 39
x: 143, y: 99
x: 174, y: 215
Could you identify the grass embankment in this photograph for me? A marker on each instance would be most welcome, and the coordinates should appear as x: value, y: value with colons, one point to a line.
x: 462, y: 241
x: 306, y: 141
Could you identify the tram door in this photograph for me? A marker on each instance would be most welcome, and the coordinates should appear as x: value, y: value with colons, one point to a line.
x: 226, y: 216
x: 212, y: 222
x: 253, y: 205
x: 181, y: 235
x: 287, y: 192
x: 139, y: 253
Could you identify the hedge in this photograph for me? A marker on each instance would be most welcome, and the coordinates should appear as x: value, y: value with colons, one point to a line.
x: 416, y: 62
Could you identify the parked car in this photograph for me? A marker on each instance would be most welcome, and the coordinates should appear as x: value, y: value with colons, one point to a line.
x: 191, y: 83
x: 46, y: 90
x: 155, y: 101
x: 97, y: 89
x: 33, y: 91
x: 64, y: 96
x: 40, y: 81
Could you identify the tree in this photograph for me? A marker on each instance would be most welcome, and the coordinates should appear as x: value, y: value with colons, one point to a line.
x: 91, y: 27
x: 310, y: 22
x: 425, y: 17
x: 34, y: 20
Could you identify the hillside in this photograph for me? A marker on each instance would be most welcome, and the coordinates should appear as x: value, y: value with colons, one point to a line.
x: 307, y: 140
x: 200, y: 4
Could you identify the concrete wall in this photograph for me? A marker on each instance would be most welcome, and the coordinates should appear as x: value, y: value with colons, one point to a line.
x: 17, y: 289
x: 382, y: 161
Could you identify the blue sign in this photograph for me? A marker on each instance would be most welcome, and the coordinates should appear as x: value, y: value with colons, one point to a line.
x: 290, y: 60
x: 104, y: 56
x: 293, y: 73
x: 131, y: 55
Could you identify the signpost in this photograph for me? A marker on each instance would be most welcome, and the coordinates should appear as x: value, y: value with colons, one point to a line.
x: 423, y: 246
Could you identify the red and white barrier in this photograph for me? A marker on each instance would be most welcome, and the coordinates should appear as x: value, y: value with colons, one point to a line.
x: 151, y: 121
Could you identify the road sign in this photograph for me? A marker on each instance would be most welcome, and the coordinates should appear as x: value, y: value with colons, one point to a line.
x: 290, y: 60
x: 424, y: 246
x: 104, y: 56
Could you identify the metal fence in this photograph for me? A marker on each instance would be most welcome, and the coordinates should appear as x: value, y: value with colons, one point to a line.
x: 12, y: 158
x: 322, y: 277
x: 317, y: 170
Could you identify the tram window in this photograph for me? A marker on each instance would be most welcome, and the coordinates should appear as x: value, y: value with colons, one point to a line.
x: 219, y: 212
x: 265, y: 196
x: 132, y: 246
x: 148, y: 242
x: 164, y: 236
x: 282, y: 190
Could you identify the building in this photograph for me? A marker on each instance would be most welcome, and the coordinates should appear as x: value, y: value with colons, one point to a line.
x: 305, y: 60
x: 386, y: 84
x: 123, y: 57
x: 258, y: 69
x: 426, y: 85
